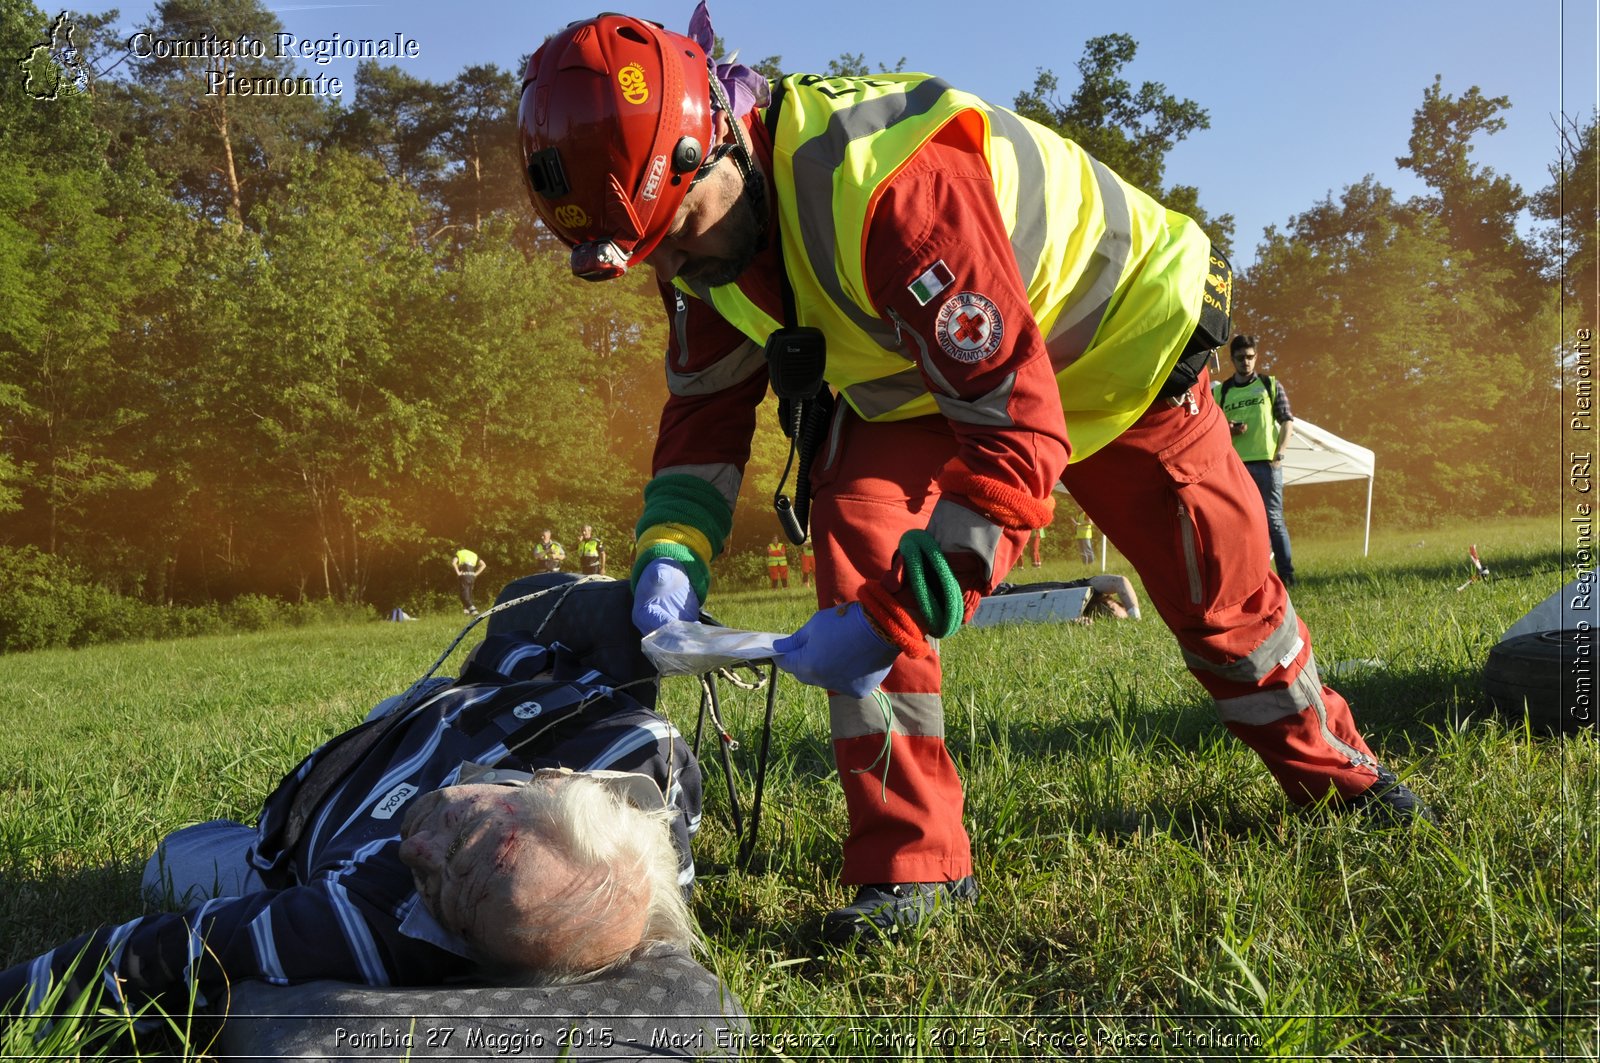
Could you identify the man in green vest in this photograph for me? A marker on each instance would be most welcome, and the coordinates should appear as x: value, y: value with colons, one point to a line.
x: 984, y: 301
x: 467, y: 566
x: 777, y: 564
x: 547, y: 553
x: 1083, y: 535
x: 1257, y: 409
x: 591, y: 553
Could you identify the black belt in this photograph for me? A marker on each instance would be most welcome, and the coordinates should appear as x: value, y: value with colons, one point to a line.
x: 1210, y: 332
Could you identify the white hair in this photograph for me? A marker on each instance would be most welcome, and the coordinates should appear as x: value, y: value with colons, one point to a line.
x: 629, y: 900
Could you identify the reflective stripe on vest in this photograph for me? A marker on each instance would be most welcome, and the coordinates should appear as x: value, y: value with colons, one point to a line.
x: 1114, y: 279
x: 1252, y: 404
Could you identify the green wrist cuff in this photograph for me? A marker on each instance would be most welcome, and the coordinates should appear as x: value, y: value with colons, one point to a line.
x: 699, y: 574
x: 679, y: 498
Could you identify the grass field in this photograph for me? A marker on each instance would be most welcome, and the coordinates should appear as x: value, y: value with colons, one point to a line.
x: 1147, y: 891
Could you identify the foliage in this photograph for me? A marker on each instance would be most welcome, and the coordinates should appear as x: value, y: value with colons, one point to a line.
x: 1129, y: 130
x: 1570, y: 202
x: 46, y: 603
x: 222, y: 153
x: 855, y: 64
x: 454, y: 144
x: 1419, y: 328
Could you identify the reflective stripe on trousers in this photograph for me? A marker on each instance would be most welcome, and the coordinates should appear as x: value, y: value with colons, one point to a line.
x: 1173, y: 497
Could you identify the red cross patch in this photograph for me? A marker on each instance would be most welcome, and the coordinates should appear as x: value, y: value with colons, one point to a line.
x: 969, y: 327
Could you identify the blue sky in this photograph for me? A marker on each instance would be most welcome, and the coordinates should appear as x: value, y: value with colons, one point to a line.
x: 1304, y: 98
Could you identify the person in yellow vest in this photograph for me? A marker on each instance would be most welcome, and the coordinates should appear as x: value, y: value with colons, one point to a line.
x: 591, y: 553
x: 1083, y: 535
x: 1257, y: 409
x: 983, y: 301
x: 468, y: 566
x: 777, y: 564
x: 808, y: 563
x: 548, y: 554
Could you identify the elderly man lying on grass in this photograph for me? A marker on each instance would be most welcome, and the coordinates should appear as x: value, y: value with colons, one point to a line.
x: 443, y: 837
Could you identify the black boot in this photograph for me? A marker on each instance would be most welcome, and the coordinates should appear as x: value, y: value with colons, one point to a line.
x: 884, y: 909
x: 1390, y: 802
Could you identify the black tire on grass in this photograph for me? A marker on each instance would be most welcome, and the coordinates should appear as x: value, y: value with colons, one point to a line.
x: 1550, y: 675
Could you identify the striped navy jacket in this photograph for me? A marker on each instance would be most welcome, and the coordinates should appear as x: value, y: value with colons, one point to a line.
x: 341, y: 905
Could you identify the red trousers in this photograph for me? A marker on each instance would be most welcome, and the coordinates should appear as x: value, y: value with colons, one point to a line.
x: 1173, y: 497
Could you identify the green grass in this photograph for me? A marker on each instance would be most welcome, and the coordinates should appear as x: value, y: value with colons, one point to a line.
x: 1147, y: 891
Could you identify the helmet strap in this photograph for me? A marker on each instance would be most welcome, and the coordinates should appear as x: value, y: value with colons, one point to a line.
x: 740, y: 149
x: 743, y: 157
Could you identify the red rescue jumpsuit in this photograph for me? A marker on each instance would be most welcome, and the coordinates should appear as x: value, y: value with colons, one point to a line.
x: 1169, y: 492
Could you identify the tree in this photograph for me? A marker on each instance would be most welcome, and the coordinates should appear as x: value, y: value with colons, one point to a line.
x: 397, y: 119
x: 455, y: 144
x: 481, y: 143
x: 222, y: 151
x: 1478, y: 207
x: 510, y: 383
x: 1570, y: 203
x: 83, y: 247
x: 315, y: 378
x: 1389, y: 333
x: 1129, y: 130
x: 854, y: 64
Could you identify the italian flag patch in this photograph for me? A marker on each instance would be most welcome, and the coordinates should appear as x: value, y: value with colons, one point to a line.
x: 935, y: 280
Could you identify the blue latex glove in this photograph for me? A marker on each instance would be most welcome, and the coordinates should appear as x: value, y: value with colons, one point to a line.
x: 837, y: 650
x: 662, y: 594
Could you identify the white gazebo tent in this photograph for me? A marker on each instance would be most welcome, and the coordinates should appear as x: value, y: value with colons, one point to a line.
x: 1315, y: 455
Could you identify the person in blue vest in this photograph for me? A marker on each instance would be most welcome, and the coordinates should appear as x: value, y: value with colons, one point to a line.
x: 1257, y: 409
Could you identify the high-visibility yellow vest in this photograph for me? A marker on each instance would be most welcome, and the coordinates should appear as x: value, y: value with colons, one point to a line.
x: 777, y: 557
x: 1252, y: 404
x: 588, y: 547
x: 1115, y: 280
x: 467, y: 558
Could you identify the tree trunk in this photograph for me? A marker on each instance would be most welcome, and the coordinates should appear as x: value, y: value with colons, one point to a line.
x: 230, y: 172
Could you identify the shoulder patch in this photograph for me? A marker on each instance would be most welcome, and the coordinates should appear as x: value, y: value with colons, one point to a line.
x: 935, y: 280
x: 969, y: 327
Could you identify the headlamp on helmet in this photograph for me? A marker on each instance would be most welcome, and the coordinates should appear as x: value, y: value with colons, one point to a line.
x: 599, y: 260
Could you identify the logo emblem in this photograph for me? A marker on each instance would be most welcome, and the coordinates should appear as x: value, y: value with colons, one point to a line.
x: 571, y: 216
x: 393, y: 800
x: 634, y: 89
x: 527, y: 710
x: 652, y: 180
x: 969, y: 327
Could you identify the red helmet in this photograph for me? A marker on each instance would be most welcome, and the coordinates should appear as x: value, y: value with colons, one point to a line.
x: 615, y: 120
